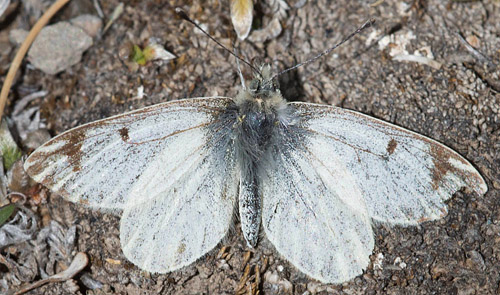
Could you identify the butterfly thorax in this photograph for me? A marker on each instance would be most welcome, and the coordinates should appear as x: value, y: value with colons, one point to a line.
x: 259, y: 110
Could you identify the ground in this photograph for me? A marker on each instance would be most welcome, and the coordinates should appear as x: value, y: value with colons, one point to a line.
x: 456, y: 103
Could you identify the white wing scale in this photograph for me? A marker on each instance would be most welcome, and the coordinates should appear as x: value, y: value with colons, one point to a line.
x: 186, y: 216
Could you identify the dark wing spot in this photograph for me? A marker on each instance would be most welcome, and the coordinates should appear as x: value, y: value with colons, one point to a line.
x: 84, y: 202
x: 73, y: 142
x: 441, y: 165
x: 440, y: 158
x: 73, y: 148
x: 423, y: 219
x: 391, y: 146
x: 124, y: 134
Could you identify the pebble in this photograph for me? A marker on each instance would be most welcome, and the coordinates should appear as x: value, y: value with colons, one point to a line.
x: 271, y: 31
x: 91, y: 24
x: 58, y: 47
x: 36, y: 138
x: 475, y: 260
x: 17, y: 36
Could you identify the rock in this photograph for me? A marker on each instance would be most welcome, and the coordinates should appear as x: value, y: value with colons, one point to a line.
x: 271, y: 31
x: 36, y: 138
x: 17, y: 36
x: 58, y: 47
x: 91, y: 24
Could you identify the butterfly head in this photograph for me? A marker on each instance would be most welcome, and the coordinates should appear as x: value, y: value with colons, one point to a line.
x: 263, y: 85
x: 262, y: 94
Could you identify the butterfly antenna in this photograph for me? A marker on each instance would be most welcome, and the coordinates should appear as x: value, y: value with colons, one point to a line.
x: 180, y: 12
x: 242, y: 79
x: 367, y: 24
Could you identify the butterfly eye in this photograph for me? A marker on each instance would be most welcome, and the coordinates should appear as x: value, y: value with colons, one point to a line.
x: 254, y: 86
x: 276, y: 84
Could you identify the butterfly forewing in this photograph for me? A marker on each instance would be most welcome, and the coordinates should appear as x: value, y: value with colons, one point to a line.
x: 103, y: 164
x: 403, y: 177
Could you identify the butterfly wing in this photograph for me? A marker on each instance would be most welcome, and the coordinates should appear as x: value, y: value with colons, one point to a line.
x: 185, y: 219
x: 104, y: 164
x: 404, y: 177
x: 168, y: 167
x: 331, y: 170
x: 307, y: 211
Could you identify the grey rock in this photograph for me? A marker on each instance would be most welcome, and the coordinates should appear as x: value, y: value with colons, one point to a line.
x: 91, y: 24
x: 36, y: 138
x: 58, y: 47
x: 17, y: 36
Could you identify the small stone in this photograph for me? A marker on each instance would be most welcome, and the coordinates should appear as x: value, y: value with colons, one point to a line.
x: 17, y: 36
x: 58, y: 47
x: 466, y: 291
x: 438, y: 270
x: 36, y: 138
x: 475, y: 260
x: 91, y: 24
x: 271, y: 31
x: 496, y: 184
x: 473, y: 41
x: 72, y: 286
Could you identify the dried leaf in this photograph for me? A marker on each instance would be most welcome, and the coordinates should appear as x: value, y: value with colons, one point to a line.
x: 25, y: 101
x: 90, y: 282
x: 42, y: 257
x: 114, y: 16
x: 419, y: 59
x: 156, y: 51
x: 153, y: 51
x: 3, y: 6
x: 53, y: 244
x: 278, y: 8
x: 28, y: 120
x: 19, y: 229
x: 242, y: 16
x: 79, y: 262
x: 17, y: 178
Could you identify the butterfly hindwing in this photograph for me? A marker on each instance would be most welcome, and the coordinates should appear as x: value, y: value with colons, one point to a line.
x: 307, y: 211
x: 188, y: 213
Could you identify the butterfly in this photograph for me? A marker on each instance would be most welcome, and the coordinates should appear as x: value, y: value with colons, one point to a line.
x: 312, y: 178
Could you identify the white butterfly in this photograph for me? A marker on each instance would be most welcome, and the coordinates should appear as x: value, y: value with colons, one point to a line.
x: 313, y: 177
